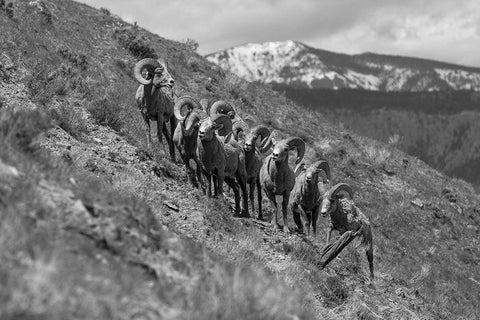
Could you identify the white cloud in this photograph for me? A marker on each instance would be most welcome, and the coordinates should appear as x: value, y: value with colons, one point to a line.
x: 445, y: 30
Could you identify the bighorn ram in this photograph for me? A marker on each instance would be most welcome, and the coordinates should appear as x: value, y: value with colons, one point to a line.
x: 154, y: 98
x: 307, y: 193
x: 253, y: 147
x: 347, y: 218
x: 188, y: 112
x: 276, y: 176
x: 222, y: 160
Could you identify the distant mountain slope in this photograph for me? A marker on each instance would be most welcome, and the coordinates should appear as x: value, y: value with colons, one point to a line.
x: 298, y: 65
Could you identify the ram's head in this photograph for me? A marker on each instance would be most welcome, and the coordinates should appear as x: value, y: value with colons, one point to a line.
x: 330, y: 198
x: 189, y: 113
x: 313, y: 172
x: 282, y: 147
x: 221, y: 122
x: 148, y: 71
x: 257, y: 137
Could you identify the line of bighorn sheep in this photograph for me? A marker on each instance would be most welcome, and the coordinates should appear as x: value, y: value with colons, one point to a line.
x: 224, y: 149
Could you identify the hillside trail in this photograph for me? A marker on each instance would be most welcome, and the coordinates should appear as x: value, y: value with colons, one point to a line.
x: 184, y: 210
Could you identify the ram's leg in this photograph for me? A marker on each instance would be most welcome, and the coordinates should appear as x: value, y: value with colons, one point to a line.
x: 251, y: 195
x: 273, y: 203
x: 329, y: 232
x: 259, y: 194
x: 208, y: 177
x: 236, y: 191
x: 215, y: 186
x: 198, y: 170
x: 308, y: 220
x: 147, y: 130
x: 168, y: 137
x: 314, y: 220
x: 220, y: 179
x: 242, y: 182
x: 369, y: 250
x: 190, y: 171
x: 369, y: 253
x: 296, y: 216
x: 286, y: 196
x: 171, y: 145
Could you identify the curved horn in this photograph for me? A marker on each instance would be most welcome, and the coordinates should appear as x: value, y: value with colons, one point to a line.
x: 261, y: 131
x: 221, y: 107
x: 237, y: 128
x: 299, y: 144
x: 269, y: 143
x: 299, y: 169
x: 193, y: 118
x: 225, y: 121
x: 182, y: 102
x: 322, y: 165
x: 337, y: 188
x: 147, y: 63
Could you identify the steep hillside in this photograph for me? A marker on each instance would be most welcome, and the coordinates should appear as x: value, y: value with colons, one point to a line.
x: 297, y: 65
x: 94, y: 225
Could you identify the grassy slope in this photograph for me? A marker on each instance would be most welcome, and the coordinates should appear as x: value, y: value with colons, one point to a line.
x: 103, y: 223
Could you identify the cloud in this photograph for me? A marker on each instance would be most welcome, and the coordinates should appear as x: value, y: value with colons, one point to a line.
x: 439, y: 29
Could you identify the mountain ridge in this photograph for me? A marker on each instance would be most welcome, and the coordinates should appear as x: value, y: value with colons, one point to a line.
x: 303, y: 66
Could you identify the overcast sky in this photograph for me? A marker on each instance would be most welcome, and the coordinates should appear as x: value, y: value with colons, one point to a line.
x: 445, y: 30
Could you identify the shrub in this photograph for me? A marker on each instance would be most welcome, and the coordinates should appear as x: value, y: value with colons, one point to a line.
x: 69, y: 119
x: 334, y: 292
x: 106, y: 114
x: 21, y: 128
x: 235, y: 85
x: 108, y: 110
x: 191, y: 44
x: 105, y: 11
x: 234, y: 293
x: 77, y: 59
x: 134, y: 43
x: 10, y: 10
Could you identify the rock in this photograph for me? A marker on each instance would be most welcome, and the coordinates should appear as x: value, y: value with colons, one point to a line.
x: 449, y: 195
x: 417, y: 202
x: 8, y: 172
x: 400, y: 292
x: 171, y: 205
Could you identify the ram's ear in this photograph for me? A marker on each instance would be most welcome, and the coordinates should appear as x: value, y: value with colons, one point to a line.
x: 274, y: 141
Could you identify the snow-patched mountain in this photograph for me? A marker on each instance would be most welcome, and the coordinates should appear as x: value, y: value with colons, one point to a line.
x: 298, y: 65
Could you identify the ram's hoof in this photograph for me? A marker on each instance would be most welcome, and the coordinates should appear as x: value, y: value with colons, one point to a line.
x: 245, y: 214
x: 277, y: 227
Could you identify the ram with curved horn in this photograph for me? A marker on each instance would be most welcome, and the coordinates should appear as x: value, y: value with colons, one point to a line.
x: 276, y: 176
x: 306, y: 195
x: 222, y: 160
x: 189, y: 113
x: 256, y: 138
x: 155, y: 100
x: 348, y: 220
x: 239, y: 127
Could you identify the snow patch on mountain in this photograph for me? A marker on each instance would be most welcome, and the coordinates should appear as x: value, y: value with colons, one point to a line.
x: 293, y: 63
